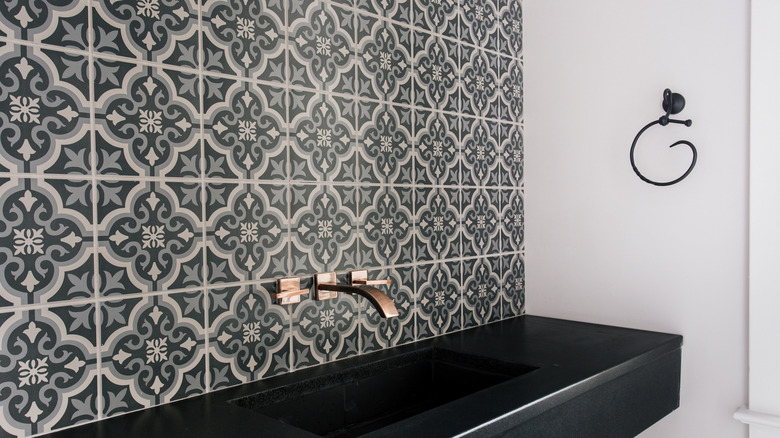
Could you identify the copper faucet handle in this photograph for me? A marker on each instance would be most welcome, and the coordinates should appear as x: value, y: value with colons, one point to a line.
x: 360, y: 277
x: 322, y: 278
x: 288, y: 290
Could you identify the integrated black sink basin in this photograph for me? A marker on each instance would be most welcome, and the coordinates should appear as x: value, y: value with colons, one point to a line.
x: 367, y: 397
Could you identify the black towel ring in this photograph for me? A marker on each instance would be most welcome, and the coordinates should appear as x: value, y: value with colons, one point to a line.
x: 673, y: 103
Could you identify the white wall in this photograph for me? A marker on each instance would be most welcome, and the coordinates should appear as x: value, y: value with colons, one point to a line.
x: 605, y: 247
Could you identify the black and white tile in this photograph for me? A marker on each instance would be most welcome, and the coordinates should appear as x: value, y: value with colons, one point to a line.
x: 163, y: 161
x: 512, y: 285
x: 439, y: 299
x: 385, y: 143
x: 153, y: 350
x: 481, y: 291
x: 386, y: 225
x: 249, y: 337
x: 324, y: 331
x: 323, y: 227
x: 379, y: 333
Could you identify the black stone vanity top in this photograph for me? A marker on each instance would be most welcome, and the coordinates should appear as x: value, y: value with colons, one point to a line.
x: 583, y: 380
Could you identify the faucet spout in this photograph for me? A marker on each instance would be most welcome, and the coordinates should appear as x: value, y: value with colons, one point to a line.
x: 383, y: 304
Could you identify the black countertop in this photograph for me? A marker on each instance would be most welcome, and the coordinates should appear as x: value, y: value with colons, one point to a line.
x: 573, y: 360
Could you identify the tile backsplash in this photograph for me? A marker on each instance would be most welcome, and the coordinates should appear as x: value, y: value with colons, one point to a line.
x: 163, y: 162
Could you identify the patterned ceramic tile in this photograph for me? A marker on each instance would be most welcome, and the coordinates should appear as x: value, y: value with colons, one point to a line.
x: 321, y: 45
x: 322, y: 137
x: 246, y: 133
x: 153, y: 351
x: 437, y: 223
x: 147, y: 121
x: 378, y: 332
x: 44, y: 111
x: 436, y: 72
x: 46, y: 241
x: 385, y: 143
x: 512, y: 220
x: 48, y: 369
x: 386, y: 223
x: 479, y: 145
x: 481, y: 291
x: 510, y: 22
x: 511, y: 155
x: 439, y: 16
x: 61, y: 23
x: 439, y: 301
x: 245, y: 39
x: 152, y: 30
x: 513, y: 285
x: 479, y: 23
x: 481, y: 222
x: 247, y: 235
x: 479, y: 84
x: 511, y: 90
x: 437, y: 149
x: 324, y: 228
x: 384, y: 60
x: 149, y: 235
x: 396, y: 10
x: 324, y: 331
x: 249, y: 338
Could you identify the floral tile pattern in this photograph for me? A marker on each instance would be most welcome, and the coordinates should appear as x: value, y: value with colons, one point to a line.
x: 325, y: 330
x: 513, y: 285
x: 439, y: 300
x: 437, y: 223
x: 48, y: 366
x: 511, y: 89
x: 512, y: 154
x: 510, y: 22
x: 162, y: 162
x: 385, y: 143
x: 480, y: 146
x: 438, y: 16
x: 397, y: 10
x: 153, y: 350
x: 150, y: 235
x: 385, y: 60
x: 512, y: 221
x: 479, y: 82
x: 249, y: 337
x: 59, y: 23
x: 436, y: 72
x: 253, y: 32
x: 147, y: 120
x: 46, y: 241
x: 386, y: 225
x: 481, y: 291
x: 437, y: 148
x: 44, y: 111
x: 378, y: 332
x: 245, y: 132
x: 323, y: 143
x: 247, y: 236
x: 321, y: 46
x: 323, y: 224
x: 481, y: 222
x: 479, y: 23
x: 165, y: 32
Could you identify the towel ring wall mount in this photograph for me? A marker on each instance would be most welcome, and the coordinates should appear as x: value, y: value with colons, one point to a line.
x: 673, y: 103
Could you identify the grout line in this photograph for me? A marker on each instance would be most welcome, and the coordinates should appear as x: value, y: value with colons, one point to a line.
x: 95, y: 199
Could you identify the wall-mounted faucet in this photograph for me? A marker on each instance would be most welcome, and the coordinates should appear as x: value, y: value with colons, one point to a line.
x: 326, y: 287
